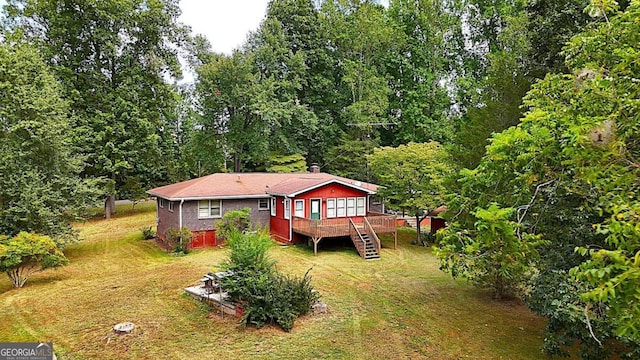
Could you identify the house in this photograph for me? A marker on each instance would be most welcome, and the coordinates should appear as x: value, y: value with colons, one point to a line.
x: 295, y: 207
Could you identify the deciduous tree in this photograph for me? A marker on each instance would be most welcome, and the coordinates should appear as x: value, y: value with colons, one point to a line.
x: 412, y: 177
x: 112, y: 58
x: 26, y: 253
x: 40, y: 186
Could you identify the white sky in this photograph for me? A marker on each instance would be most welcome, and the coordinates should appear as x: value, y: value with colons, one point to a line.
x: 225, y: 23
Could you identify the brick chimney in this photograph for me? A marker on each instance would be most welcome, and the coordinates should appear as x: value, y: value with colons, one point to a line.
x: 314, y: 169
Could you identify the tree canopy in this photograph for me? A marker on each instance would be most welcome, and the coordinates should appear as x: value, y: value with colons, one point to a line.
x: 26, y: 253
x: 569, y: 170
x: 412, y: 177
x: 40, y: 186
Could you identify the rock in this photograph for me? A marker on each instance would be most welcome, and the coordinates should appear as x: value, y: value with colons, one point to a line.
x: 319, y: 308
x: 124, y: 328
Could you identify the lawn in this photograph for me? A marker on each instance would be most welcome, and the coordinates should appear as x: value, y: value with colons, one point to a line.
x: 400, y: 306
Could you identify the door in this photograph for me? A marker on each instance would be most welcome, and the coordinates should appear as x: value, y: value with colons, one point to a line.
x: 315, y: 209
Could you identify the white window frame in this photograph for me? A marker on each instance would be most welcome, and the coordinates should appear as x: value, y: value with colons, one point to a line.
x: 341, y: 210
x: 361, y: 206
x: 287, y: 208
x: 161, y: 202
x: 209, y: 208
x: 299, y: 213
x: 170, y: 206
x: 266, y: 204
x: 351, y: 207
x: 331, y: 208
x: 273, y: 206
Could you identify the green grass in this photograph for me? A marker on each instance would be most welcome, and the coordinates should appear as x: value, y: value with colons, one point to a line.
x: 400, y: 306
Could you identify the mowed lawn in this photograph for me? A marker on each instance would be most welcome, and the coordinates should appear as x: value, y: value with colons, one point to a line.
x: 398, y: 307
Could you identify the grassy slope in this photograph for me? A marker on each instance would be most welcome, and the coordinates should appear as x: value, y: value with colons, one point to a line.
x: 401, y: 306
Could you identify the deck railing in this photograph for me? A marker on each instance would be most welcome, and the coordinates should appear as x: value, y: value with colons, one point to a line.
x: 356, y: 238
x: 379, y: 223
x: 382, y: 223
x: 372, y: 234
x: 321, y: 228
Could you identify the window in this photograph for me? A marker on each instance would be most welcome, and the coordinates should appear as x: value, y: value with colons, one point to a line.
x: 341, y: 207
x: 161, y: 202
x: 273, y: 206
x: 263, y: 204
x: 287, y: 208
x: 299, y: 208
x: 171, y: 206
x: 331, y: 208
x: 361, y: 209
x: 351, y: 207
x: 209, y: 209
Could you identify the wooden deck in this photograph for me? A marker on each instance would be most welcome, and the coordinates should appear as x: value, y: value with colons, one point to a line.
x: 321, y: 228
x: 325, y: 228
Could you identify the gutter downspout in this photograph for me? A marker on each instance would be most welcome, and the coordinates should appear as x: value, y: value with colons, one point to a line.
x: 180, y: 214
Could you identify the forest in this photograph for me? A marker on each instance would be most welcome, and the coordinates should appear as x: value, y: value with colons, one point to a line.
x: 521, y: 116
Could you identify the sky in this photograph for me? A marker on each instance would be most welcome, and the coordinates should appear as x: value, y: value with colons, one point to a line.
x: 226, y: 23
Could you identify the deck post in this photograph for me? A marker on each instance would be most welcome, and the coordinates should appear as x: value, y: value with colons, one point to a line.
x: 315, y: 240
x: 395, y: 240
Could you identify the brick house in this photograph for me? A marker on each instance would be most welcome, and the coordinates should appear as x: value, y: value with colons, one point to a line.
x: 295, y: 207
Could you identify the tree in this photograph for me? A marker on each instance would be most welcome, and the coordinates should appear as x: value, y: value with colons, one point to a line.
x: 112, y: 58
x: 303, y: 34
x: 40, y: 186
x: 287, y: 164
x: 26, y: 253
x: 551, y: 25
x: 412, y: 177
x: 362, y: 35
x: 609, y: 159
x: 227, y: 91
x: 570, y: 171
x: 419, y: 103
x: 501, y: 78
x: 494, y: 255
x: 248, y: 101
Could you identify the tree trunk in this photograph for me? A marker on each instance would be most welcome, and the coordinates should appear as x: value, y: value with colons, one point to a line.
x: 109, y: 206
x: 236, y: 163
x: 419, y: 232
x: 418, y: 228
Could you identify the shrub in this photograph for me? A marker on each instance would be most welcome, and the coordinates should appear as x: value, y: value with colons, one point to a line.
x: 26, y: 253
x: 179, y: 239
x: 236, y: 220
x: 148, y: 233
x: 266, y: 295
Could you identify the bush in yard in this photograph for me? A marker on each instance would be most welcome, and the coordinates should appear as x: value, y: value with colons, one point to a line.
x: 234, y: 220
x: 26, y: 253
x: 148, y: 233
x: 179, y: 239
x: 266, y: 295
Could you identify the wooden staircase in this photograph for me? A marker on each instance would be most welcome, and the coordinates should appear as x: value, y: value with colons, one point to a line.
x: 365, y: 240
x: 371, y: 249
